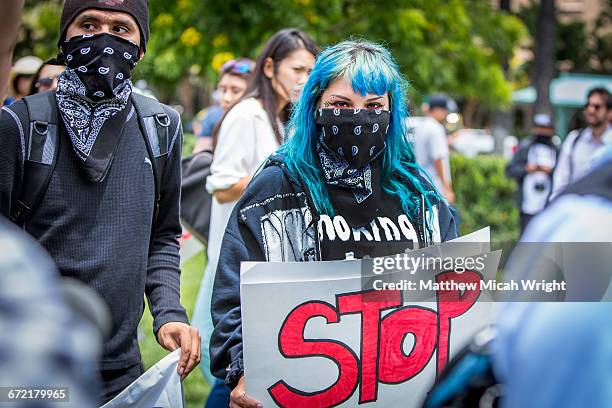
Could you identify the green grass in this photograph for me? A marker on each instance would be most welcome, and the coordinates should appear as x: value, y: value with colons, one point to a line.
x: 195, y: 387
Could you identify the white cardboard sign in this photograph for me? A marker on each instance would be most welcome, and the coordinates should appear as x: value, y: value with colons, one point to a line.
x: 315, y: 337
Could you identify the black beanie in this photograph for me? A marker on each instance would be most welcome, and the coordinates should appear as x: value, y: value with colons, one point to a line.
x: 139, y: 9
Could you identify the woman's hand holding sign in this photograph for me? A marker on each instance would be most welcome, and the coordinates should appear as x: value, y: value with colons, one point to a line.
x: 240, y: 399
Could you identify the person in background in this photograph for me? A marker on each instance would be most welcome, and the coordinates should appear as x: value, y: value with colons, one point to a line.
x: 347, y: 166
x: 196, y: 122
x: 532, y: 168
x: 233, y: 79
x: 431, y: 145
x: 10, y: 19
x: 46, y: 77
x: 578, y: 148
x: 249, y: 132
x: 21, y: 77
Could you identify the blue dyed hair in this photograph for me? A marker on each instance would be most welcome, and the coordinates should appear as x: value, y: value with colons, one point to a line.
x: 371, y: 69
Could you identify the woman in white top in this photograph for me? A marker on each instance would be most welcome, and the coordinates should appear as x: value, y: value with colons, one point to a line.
x: 248, y: 133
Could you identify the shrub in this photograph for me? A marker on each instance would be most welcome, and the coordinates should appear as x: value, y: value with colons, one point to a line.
x: 189, y: 141
x: 485, y: 196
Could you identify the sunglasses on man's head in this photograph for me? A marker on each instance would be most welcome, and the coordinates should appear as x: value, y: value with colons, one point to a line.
x: 237, y: 67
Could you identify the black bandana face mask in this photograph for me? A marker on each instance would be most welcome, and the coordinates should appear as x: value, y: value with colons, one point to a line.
x: 103, y: 63
x: 92, y: 97
x: 356, y: 135
x: 349, y: 143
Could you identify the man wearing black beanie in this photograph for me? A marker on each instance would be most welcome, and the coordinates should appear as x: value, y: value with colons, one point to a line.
x: 137, y: 9
x: 93, y: 172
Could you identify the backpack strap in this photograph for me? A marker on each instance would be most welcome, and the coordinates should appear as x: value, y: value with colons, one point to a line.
x: 572, y: 150
x: 155, y: 127
x: 41, y: 150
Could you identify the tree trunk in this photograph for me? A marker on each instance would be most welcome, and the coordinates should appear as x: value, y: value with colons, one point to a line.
x: 186, y: 96
x: 502, y: 119
x: 544, y: 63
x: 504, y: 5
x: 469, y: 110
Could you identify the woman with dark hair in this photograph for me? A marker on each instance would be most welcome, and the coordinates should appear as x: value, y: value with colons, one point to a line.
x: 250, y: 131
x: 280, y: 73
x: 345, y: 181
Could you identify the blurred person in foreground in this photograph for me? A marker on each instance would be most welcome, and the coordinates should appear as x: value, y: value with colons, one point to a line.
x: 45, y: 79
x: 233, y: 80
x: 431, y: 145
x: 44, y: 342
x: 108, y: 214
x: 532, y: 167
x: 348, y: 166
x: 560, y: 354
x: 10, y: 19
x: 548, y: 352
x: 580, y: 144
x: 250, y: 131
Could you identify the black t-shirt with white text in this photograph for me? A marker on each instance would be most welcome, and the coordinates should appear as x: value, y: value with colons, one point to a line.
x: 390, y: 232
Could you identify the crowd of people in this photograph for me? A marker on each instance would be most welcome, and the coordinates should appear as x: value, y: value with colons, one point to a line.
x: 303, y: 140
x: 542, y: 170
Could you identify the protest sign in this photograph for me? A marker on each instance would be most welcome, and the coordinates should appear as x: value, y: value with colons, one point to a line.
x: 316, y: 335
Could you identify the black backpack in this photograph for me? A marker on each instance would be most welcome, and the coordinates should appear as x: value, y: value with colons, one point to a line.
x: 467, y: 381
x: 42, y: 144
x: 195, y: 200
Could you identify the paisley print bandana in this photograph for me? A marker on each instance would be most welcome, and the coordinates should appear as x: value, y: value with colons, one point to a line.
x: 349, y: 145
x: 92, y: 97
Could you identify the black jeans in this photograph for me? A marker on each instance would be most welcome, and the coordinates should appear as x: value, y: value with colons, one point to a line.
x: 219, y: 396
x: 115, y: 381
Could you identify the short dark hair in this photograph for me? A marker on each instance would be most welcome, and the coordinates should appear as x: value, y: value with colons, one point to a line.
x: 600, y: 90
x: 438, y: 101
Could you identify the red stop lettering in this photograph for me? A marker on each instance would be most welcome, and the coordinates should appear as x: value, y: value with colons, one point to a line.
x: 382, y: 355
x: 452, y: 304
x: 293, y: 345
x: 395, y: 366
x: 369, y: 304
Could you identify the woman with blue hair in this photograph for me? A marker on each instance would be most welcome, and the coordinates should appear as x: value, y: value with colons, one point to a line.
x: 345, y: 183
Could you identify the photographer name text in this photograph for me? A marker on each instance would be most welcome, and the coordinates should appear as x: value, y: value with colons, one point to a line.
x: 482, y: 285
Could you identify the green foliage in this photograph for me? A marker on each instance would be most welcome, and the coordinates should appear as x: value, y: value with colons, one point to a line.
x: 189, y: 141
x: 455, y: 46
x: 39, y: 29
x: 485, y: 196
x: 580, y: 48
x: 196, y: 389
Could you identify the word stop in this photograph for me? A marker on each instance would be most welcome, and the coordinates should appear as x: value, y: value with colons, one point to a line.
x: 382, y: 357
